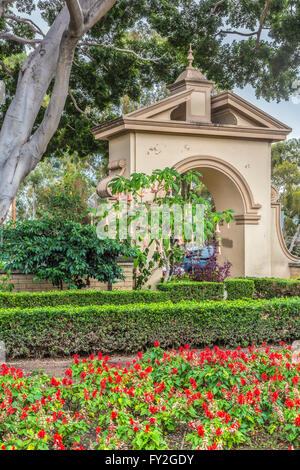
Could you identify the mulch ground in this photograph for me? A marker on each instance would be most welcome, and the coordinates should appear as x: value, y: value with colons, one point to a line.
x: 56, y: 367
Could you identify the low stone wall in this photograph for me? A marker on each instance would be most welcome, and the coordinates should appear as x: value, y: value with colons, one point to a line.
x: 25, y: 282
x: 294, y: 270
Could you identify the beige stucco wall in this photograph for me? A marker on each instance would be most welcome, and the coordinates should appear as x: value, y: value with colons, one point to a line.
x: 295, y: 270
x: 120, y: 148
x: 251, y: 248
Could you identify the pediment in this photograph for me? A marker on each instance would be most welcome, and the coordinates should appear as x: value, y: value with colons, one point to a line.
x: 230, y: 117
x: 163, y: 109
x: 195, y: 111
x: 230, y: 109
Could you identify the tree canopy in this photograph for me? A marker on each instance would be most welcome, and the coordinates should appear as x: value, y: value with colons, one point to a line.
x: 286, y: 177
x: 146, y: 41
x: 127, y: 48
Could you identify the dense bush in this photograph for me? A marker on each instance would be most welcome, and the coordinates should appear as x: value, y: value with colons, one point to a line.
x: 80, y: 298
x: 65, y: 330
x: 268, y: 288
x: 62, y: 251
x: 5, y: 284
x: 190, y: 290
x: 239, y: 288
x: 181, y: 400
x: 212, y: 271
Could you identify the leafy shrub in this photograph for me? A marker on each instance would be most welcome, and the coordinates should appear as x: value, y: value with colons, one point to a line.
x: 65, y: 330
x: 268, y: 288
x: 212, y: 271
x: 189, y: 290
x: 80, y: 298
x: 62, y: 251
x: 239, y: 288
x: 5, y: 285
x: 229, y: 404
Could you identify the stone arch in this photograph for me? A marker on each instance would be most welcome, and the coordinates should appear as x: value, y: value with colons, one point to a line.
x: 280, y: 252
x: 229, y: 190
x: 250, y: 208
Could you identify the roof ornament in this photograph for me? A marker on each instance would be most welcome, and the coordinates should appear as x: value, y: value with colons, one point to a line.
x: 191, y: 57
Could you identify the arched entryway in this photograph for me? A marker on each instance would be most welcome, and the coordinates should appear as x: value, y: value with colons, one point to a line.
x: 229, y: 190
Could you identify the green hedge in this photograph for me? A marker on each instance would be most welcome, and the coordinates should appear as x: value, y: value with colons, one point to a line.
x: 175, y: 291
x: 191, y: 290
x: 239, y: 288
x: 268, y: 288
x: 65, y: 330
x: 81, y: 298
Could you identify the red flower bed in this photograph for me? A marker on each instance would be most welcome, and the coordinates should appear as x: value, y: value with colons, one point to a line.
x: 214, y: 399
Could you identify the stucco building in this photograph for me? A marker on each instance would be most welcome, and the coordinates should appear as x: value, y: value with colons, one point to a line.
x: 229, y: 141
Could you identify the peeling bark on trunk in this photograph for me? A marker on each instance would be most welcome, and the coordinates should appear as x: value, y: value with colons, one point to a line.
x: 20, y: 150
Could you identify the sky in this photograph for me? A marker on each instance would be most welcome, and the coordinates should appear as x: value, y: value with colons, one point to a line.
x: 287, y: 112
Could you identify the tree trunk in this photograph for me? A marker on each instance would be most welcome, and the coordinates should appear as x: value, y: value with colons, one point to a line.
x: 33, y: 82
x: 20, y: 150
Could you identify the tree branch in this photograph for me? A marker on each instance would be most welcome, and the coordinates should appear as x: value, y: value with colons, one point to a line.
x: 3, y: 5
x: 236, y: 32
x: 33, y: 26
x: 6, y: 70
x: 76, y: 105
x: 98, y: 10
x: 214, y: 8
x: 76, y: 18
x: 13, y: 37
x: 255, y: 33
x: 118, y: 49
x: 261, y: 23
x: 40, y: 139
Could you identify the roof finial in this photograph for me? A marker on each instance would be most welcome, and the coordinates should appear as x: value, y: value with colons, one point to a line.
x: 191, y: 57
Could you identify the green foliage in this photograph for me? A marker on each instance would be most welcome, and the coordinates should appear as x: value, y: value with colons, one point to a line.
x: 190, y: 290
x: 66, y: 330
x: 5, y: 285
x: 79, y: 298
x: 161, y: 400
x: 62, y: 251
x: 66, y: 198
x: 164, y: 188
x: 59, y: 187
x: 159, y: 33
x: 268, y: 288
x: 286, y: 177
x: 239, y: 288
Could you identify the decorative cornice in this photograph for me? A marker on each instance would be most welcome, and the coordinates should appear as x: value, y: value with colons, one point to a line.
x: 247, y: 219
x: 227, y: 98
x: 125, y: 125
x: 160, y: 106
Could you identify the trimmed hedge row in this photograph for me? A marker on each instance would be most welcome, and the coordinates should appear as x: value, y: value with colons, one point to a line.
x: 191, y: 290
x: 175, y: 291
x: 269, y: 288
x: 239, y: 288
x: 80, y: 298
x: 65, y: 330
